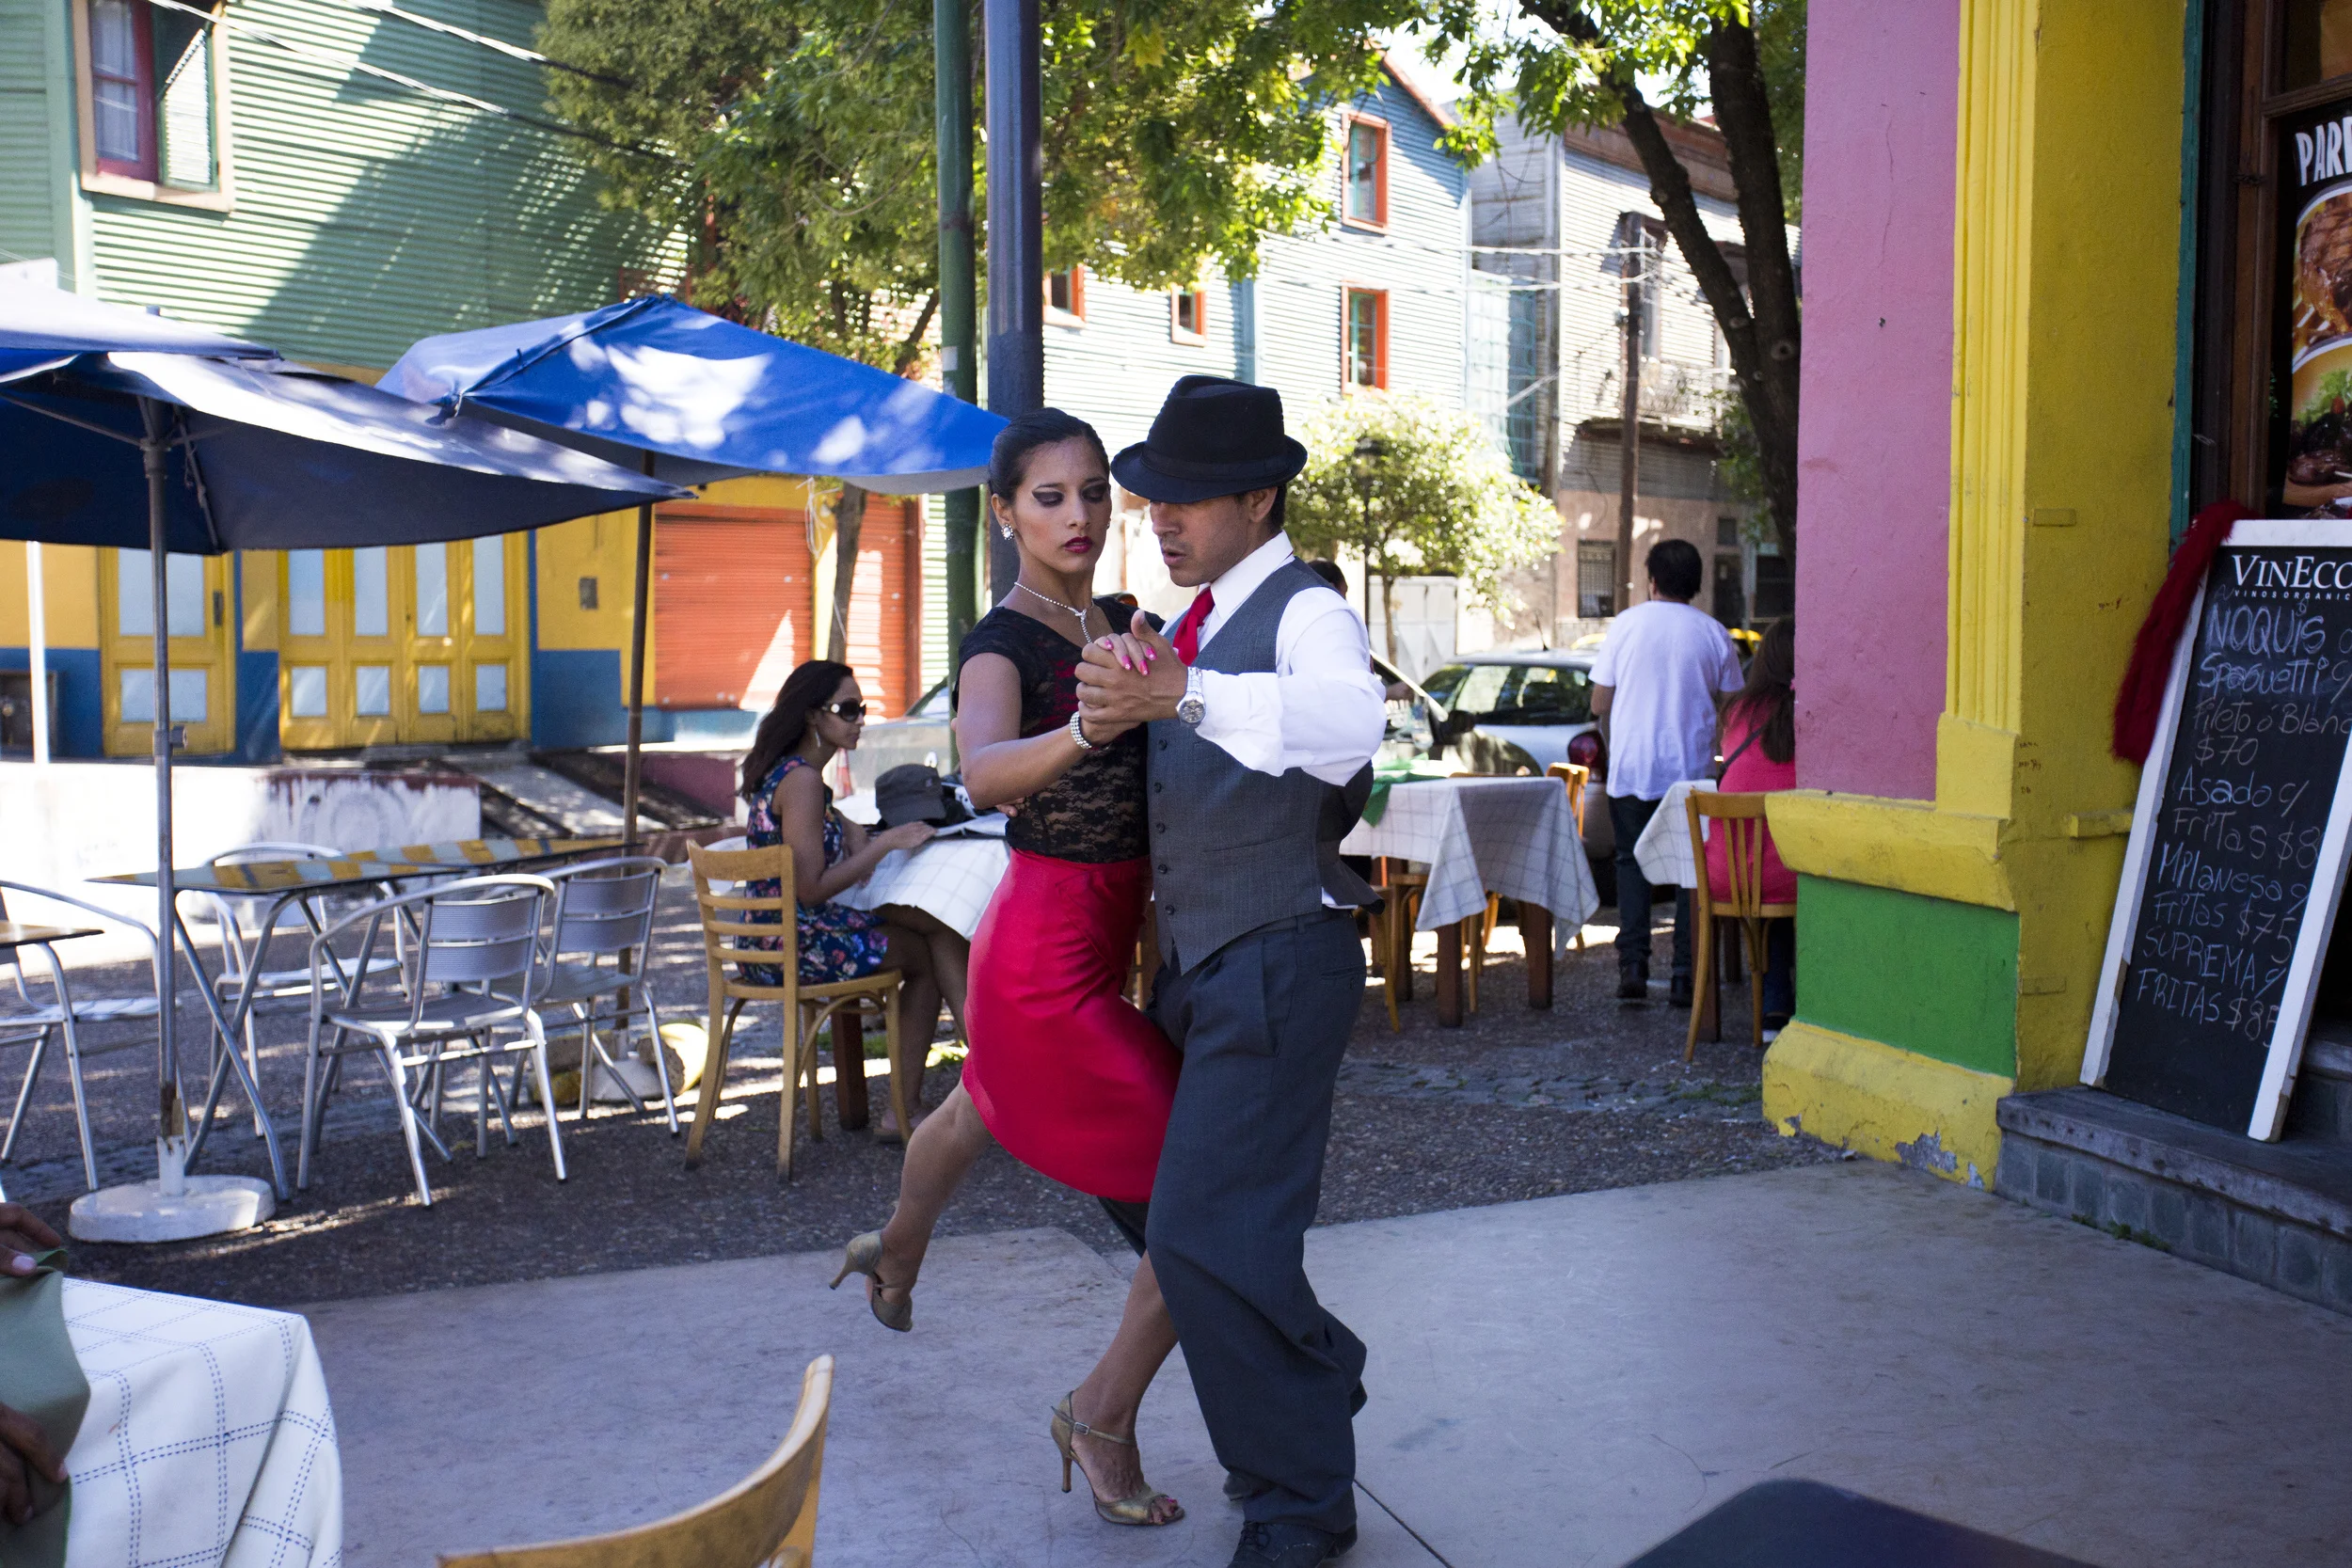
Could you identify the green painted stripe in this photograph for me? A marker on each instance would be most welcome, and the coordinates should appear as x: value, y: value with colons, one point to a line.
x: 1923, y: 974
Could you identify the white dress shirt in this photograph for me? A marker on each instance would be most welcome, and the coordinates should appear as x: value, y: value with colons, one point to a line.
x: 1321, y: 708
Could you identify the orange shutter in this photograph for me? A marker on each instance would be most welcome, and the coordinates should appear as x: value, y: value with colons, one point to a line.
x: 731, y: 604
x: 885, y: 646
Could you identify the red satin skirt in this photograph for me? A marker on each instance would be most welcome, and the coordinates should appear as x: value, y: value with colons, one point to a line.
x: 1069, y: 1075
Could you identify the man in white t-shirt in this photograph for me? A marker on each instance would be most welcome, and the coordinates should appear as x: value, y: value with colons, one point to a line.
x: 1660, y: 672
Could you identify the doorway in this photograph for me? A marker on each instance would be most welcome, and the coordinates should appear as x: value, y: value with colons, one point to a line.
x: 410, y: 645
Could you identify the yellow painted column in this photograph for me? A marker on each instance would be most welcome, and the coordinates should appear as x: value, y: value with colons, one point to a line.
x: 2065, y: 252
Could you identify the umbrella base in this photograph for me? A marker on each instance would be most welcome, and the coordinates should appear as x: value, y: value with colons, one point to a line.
x: 140, y: 1211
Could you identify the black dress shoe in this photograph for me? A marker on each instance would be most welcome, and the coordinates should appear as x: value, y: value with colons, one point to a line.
x: 1285, y: 1546
x: 1632, y: 983
x: 1679, y: 991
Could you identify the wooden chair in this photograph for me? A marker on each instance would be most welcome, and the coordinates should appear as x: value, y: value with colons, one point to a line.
x: 769, y: 1519
x: 1392, y: 931
x: 1740, y: 819
x: 1575, y: 776
x: 805, y: 1007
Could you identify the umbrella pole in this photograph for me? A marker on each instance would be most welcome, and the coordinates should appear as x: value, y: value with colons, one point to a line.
x: 175, y: 1205
x: 174, y: 1122
x: 633, y: 765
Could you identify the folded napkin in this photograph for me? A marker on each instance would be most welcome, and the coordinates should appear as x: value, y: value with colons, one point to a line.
x: 40, y: 1376
x: 1385, y: 774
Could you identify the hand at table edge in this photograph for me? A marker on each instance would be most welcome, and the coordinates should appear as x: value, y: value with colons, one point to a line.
x: 22, y: 1235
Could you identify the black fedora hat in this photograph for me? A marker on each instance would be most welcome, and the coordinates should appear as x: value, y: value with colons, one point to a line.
x: 1212, y: 437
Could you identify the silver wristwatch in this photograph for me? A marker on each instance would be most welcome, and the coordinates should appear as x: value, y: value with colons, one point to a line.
x: 1079, y: 733
x: 1191, y: 707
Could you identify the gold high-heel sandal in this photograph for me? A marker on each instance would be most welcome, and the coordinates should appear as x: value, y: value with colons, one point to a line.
x: 863, y: 1256
x: 1135, y: 1509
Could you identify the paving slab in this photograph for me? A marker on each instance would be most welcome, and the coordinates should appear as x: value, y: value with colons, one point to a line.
x: 511, y: 1414
x: 1563, y: 1381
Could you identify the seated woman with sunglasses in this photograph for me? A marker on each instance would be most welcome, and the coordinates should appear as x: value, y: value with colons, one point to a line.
x: 819, y: 715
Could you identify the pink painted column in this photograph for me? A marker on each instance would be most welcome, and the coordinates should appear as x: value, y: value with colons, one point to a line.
x: 1874, y: 448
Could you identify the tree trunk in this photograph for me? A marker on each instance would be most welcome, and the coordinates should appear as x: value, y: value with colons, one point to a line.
x: 848, y: 519
x: 1388, y: 616
x: 1765, y: 341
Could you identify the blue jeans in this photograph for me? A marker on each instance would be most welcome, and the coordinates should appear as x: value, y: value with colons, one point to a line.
x: 1629, y: 817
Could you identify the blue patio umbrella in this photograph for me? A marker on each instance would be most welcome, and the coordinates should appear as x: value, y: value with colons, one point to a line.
x: 690, y: 397
x: 180, y: 452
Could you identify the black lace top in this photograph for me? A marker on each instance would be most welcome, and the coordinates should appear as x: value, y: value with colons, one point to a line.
x: 1093, y: 812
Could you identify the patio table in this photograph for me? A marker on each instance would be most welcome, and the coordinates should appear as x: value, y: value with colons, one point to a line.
x: 952, y: 878
x: 1478, y: 836
x: 17, y: 933
x: 301, y: 883
x: 208, y: 1441
x: 1664, y: 850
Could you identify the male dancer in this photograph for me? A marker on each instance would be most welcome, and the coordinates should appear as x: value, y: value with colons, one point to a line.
x: 1263, y: 716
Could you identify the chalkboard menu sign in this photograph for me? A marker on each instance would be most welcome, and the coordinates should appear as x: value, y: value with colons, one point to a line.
x: 2236, y: 857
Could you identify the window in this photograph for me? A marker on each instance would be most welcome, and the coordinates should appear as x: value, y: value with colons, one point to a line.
x: 1366, y: 347
x: 1066, y: 297
x: 1595, y: 581
x: 1365, y: 198
x: 1731, y: 593
x: 1188, y: 316
x: 149, y: 98
x: 123, y: 90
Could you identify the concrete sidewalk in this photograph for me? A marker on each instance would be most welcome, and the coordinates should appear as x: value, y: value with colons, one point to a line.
x: 1565, y: 1381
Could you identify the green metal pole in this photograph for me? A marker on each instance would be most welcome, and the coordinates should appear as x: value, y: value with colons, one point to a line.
x: 951, y: 53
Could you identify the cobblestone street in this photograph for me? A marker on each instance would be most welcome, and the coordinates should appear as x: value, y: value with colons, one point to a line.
x: 1519, y: 1103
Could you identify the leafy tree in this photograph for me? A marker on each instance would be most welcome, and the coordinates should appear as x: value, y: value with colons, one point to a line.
x: 1586, y: 67
x: 794, y: 145
x: 1413, y: 487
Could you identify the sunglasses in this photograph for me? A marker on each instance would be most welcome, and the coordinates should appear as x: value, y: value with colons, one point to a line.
x: 850, y: 712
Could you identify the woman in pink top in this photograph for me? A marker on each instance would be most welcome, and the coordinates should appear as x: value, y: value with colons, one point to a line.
x: 1759, y: 745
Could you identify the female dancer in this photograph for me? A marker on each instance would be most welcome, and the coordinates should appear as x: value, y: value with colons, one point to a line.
x: 1063, y: 1072
x: 819, y: 714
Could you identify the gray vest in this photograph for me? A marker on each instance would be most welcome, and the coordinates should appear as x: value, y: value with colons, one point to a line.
x: 1232, y: 849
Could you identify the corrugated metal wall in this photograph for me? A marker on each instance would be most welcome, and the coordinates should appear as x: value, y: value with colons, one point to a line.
x: 1113, y: 371
x: 368, y: 216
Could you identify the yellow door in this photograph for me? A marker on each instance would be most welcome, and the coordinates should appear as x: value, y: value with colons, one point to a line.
x: 410, y: 643
x: 204, y: 696
x: 487, y: 681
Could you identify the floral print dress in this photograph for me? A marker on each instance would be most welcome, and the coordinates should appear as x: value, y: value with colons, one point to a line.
x: 837, y: 942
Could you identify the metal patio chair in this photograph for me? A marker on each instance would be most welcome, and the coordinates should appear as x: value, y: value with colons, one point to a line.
x: 274, y: 991
x: 26, y: 1019
x: 470, y: 977
x: 604, y: 909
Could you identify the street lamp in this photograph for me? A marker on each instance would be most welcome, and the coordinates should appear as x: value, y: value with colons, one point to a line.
x: 1364, y: 469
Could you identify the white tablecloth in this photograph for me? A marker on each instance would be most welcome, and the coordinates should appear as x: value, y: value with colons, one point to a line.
x: 950, y: 877
x: 1664, y: 850
x: 209, y: 1439
x: 1512, y: 836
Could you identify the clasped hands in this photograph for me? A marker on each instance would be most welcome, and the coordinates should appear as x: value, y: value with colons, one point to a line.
x: 1128, y: 678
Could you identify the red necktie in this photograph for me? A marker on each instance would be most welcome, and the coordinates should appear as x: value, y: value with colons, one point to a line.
x: 1187, y: 638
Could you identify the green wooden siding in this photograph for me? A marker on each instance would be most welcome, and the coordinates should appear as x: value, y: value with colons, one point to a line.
x: 368, y: 216
x: 32, y: 165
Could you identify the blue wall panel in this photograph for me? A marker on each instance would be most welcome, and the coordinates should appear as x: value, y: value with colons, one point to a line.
x: 81, y: 720
x: 257, y: 705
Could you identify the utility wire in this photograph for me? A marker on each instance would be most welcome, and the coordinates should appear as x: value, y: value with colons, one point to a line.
x: 514, y: 51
